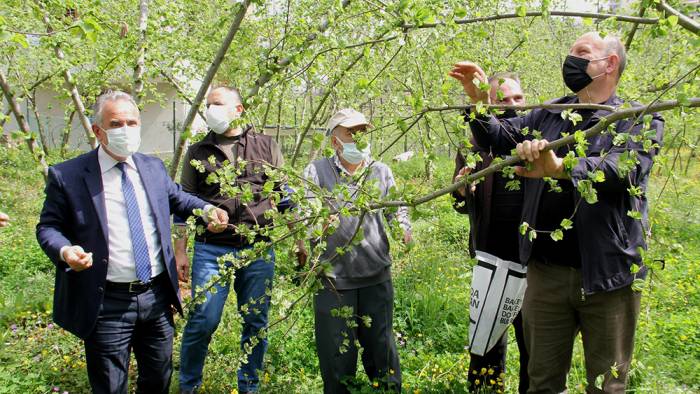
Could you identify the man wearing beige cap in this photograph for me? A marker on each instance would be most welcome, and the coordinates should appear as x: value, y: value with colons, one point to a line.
x: 355, y: 304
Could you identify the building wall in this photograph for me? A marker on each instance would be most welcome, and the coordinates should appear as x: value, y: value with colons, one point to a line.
x: 157, y: 121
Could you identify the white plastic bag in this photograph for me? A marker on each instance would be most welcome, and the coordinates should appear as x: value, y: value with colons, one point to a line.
x: 498, y: 288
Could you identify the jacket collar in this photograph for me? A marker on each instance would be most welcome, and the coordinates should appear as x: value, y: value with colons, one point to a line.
x: 211, y: 137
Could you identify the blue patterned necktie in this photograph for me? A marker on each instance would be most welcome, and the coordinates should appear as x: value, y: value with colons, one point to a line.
x: 138, y: 239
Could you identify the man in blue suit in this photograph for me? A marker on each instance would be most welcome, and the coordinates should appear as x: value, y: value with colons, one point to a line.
x: 106, y: 226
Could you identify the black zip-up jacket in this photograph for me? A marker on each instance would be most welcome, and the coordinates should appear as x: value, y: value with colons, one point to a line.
x: 609, y: 239
x: 257, y: 150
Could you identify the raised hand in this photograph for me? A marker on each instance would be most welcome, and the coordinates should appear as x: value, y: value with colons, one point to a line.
x: 466, y: 73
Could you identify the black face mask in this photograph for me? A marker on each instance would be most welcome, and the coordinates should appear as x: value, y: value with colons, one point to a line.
x: 575, y: 76
x: 507, y: 113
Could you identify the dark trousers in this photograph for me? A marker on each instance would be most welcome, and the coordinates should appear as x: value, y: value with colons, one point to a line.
x: 490, y: 366
x: 143, y: 322
x: 339, y: 322
x: 555, y: 311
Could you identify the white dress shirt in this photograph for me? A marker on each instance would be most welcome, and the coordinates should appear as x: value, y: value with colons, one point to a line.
x: 122, y: 266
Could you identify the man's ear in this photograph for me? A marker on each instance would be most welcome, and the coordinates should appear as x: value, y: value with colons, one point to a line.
x: 99, y: 133
x: 334, y: 141
x: 239, y: 108
x: 613, y: 64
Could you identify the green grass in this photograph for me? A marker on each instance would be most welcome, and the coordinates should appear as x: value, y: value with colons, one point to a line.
x: 431, y: 309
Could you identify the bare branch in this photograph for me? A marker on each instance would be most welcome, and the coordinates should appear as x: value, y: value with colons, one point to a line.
x: 683, y: 20
x: 36, y: 151
x: 592, y: 15
x: 137, y: 90
x: 593, y: 131
x: 213, y: 68
x: 73, y: 89
x: 265, y: 77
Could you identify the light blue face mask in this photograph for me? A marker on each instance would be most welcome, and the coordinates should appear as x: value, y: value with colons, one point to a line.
x: 353, y: 155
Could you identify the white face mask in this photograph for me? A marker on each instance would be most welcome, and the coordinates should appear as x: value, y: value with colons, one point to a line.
x: 124, y: 141
x: 219, y: 118
x: 353, y: 155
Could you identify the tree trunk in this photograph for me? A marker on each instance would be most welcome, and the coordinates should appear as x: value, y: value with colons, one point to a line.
x: 23, y: 125
x: 137, y: 90
x: 73, y: 90
x: 66, y: 133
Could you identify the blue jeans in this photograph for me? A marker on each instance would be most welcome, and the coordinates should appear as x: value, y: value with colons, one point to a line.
x: 251, y: 285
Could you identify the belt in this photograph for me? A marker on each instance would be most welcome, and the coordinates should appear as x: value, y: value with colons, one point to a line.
x: 135, y: 287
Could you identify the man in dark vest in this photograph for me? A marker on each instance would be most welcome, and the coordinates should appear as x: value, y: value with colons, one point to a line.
x: 494, y: 217
x: 228, y: 141
x: 360, y: 279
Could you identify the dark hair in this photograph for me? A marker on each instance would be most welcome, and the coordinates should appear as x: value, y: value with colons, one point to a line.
x: 231, y: 89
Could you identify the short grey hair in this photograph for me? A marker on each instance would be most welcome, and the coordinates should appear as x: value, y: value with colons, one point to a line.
x: 107, y: 96
x: 504, y: 75
x: 613, y: 45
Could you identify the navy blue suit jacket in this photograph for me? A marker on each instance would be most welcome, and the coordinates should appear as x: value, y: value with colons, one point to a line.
x: 74, y: 214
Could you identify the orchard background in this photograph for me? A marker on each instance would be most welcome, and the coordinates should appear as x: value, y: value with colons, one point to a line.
x: 296, y: 62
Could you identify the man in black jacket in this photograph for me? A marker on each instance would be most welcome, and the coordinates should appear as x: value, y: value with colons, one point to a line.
x: 595, y: 200
x: 494, y: 216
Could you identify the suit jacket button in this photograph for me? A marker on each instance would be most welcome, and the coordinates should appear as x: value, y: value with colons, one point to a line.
x: 100, y: 289
x: 104, y: 261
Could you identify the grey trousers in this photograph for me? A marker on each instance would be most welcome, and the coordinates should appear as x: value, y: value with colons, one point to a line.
x: 555, y: 311
x: 340, y: 328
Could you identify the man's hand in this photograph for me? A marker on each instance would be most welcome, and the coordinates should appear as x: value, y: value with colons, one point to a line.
x: 4, y: 219
x: 464, y: 171
x: 466, y: 73
x: 218, y: 220
x: 182, y: 261
x: 302, y: 253
x: 544, y: 164
x: 407, y: 237
x: 76, y: 258
x: 302, y: 257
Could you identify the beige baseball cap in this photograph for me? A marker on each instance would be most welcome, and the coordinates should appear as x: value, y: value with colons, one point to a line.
x: 346, y: 117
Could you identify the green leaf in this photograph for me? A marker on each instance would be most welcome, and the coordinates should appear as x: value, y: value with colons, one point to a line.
x: 596, y: 176
x: 634, y: 215
x: 532, y: 235
x: 557, y: 235
x: 523, y: 228
x: 20, y: 39
x: 461, y: 12
x: 566, y: 224
x: 521, y: 11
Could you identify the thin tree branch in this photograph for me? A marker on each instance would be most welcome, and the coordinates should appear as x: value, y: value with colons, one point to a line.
x: 213, y: 68
x: 137, y: 91
x: 592, y: 15
x: 280, y: 65
x: 683, y: 20
x: 72, y: 88
x: 570, y: 139
x: 328, y: 92
x: 633, y: 31
x: 36, y: 152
